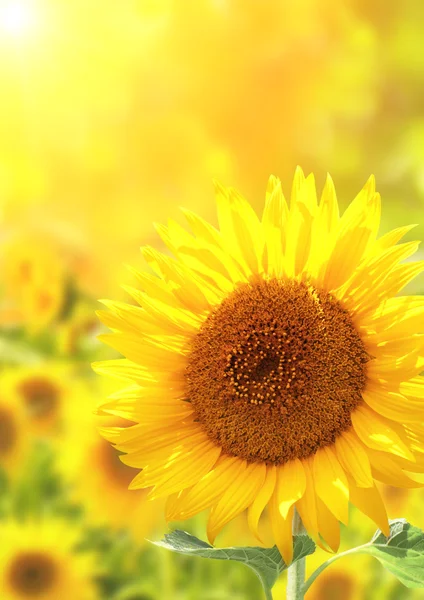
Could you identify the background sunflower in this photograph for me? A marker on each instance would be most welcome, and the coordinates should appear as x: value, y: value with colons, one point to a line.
x: 112, y: 116
x: 41, y: 558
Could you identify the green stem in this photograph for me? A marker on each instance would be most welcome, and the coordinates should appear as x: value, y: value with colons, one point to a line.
x: 326, y: 564
x: 296, y: 571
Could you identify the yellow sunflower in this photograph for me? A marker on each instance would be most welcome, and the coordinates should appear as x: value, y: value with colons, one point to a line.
x: 406, y: 503
x: 40, y: 560
x: 34, y: 279
x: 99, y: 480
x: 48, y: 392
x: 14, y: 443
x: 273, y: 365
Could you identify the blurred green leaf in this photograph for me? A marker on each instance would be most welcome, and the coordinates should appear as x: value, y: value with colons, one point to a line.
x: 401, y: 553
x: 266, y: 563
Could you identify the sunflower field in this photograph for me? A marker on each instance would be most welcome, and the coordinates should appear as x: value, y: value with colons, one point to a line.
x: 259, y: 363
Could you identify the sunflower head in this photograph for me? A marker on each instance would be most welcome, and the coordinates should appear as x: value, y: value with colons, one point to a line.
x: 273, y: 364
x: 40, y: 560
x: 14, y: 444
x: 48, y: 394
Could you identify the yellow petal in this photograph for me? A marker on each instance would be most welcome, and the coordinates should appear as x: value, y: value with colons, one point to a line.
x: 164, y: 315
x: 357, y: 232
x: 143, y: 351
x: 236, y: 498
x: 374, y: 432
x: 394, y: 406
x: 291, y: 484
x: 400, y: 276
x: 186, y: 286
x: 329, y: 527
x: 391, y: 369
x: 281, y: 529
x: 185, y: 470
x: 240, y: 228
x: 386, y: 470
x: 366, y: 286
x: 324, y: 228
x: 369, y: 502
x: 183, y: 463
x: 299, y: 224
x: 354, y: 459
x: 209, y: 489
x: 274, y: 221
x: 204, y: 259
x: 391, y: 238
x: 331, y: 483
x: 261, y: 500
x: 306, y: 505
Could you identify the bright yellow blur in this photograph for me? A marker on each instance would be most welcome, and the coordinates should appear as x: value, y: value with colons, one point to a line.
x: 113, y: 114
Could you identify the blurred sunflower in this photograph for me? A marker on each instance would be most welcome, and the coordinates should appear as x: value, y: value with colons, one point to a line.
x: 34, y: 280
x: 78, y: 333
x: 403, y: 502
x: 41, y: 560
x: 14, y: 443
x: 339, y: 580
x: 99, y: 480
x: 49, y: 393
x: 273, y: 365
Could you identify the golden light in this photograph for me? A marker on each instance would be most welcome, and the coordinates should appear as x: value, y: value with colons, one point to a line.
x: 16, y: 18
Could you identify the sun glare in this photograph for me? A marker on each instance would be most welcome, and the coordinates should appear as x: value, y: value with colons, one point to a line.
x: 16, y: 19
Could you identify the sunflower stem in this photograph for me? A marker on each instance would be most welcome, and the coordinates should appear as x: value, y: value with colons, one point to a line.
x: 296, y: 571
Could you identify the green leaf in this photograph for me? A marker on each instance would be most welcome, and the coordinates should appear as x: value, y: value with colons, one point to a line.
x: 266, y: 563
x: 402, y: 553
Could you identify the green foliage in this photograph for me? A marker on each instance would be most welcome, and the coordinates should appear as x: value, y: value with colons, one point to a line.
x: 266, y: 563
x: 401, y: 553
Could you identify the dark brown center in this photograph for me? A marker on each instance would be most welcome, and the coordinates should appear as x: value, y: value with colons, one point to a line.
x: 32, y: 574
x: 275, y: 371
x: 40, y: 395
x: 8, y: 431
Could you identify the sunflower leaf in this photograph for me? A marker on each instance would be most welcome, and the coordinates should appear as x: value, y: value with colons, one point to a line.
x: 266, y: 563
x: 401, y: 553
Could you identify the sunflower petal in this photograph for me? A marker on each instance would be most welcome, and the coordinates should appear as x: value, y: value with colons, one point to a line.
x: 291, y: 485
x: 307, y: 504
x: 261, y: 500
x: 329, y: 526
x: 237, y: 497
x: 208, y: 490
x: 331, y: 483
x: 281, y: 529
x: 354, y: 459
x: 394, y: 406
x: 376, y: 434
x: 369, y: 502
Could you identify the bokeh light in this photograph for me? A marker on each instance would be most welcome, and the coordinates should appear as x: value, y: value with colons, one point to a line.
x: 112, y: 116
x: 17, y: 19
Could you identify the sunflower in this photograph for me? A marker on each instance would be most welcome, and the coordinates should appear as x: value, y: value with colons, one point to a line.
x: 272, y: 364
x: 34, y: 279
x: 403, y: 502
x: 48, y: 392
x: 14, y: 443
x: 40, y: 560
x: 99, y: 481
